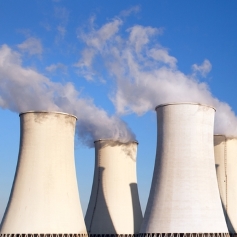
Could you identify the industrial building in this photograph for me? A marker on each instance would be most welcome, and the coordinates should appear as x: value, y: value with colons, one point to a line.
x: 184, y: 196
x: 114, y: 206
x: 44, y: 197
x: 184, y: 199
x: 226, y: 165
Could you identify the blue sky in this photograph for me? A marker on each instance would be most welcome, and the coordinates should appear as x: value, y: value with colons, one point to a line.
x: 118, y: 59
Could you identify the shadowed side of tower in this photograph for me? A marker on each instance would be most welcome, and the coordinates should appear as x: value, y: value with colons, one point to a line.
x: 226, y: 169
x: 114, y: 206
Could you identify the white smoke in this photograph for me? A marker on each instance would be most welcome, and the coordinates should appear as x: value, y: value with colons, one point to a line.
x: 23, y: 89
x: 203, y: 69
x: 57, y: 67
x: 32, y: 46
x: 146, y: 75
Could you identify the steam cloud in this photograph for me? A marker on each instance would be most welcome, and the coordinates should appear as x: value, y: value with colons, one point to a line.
x: 23, y: 89
x: 146, y: 75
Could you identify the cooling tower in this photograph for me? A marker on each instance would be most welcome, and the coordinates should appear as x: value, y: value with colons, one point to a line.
x: 226, y: 170
x: 184, y: 196
x: 44, y: 198
x: 114, y: 206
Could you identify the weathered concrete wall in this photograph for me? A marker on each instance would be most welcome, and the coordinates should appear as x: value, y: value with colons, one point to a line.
x: 44, y: 196
x: 184, y: 196
x: 226, y: 170
x: 114, y: 206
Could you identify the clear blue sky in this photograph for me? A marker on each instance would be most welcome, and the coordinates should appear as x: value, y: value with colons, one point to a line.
x: 88, y: 44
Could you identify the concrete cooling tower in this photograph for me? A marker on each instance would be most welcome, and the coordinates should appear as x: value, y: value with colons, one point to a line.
x: 114, y: 206
x: 44, y: 197
x: 184, y: 196
x: 226, y: 166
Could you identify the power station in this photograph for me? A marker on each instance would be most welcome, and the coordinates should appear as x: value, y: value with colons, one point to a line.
x: 114, y: 206
x: 44, y: 197
x: 184, y: 196
x: 226, y: 159
x: 184, y: 199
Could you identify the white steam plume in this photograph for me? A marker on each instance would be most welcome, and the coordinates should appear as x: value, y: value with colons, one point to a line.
x: 32, y: 46
x: 23, y: 89
x: 146, y: 75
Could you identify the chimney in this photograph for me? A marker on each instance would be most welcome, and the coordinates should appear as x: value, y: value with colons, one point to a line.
x: 44, y: 197
x: 226, y: 161
x: 184, y: 196
x: 114, y: 206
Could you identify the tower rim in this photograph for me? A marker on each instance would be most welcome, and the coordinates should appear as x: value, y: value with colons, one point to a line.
x: 47, y: 112
x: 182, y: 103
x: 111, y: 140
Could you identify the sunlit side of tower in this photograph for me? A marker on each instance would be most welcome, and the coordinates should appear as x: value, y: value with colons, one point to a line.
x: 44, y: 197
x: 226, y: 169
x: 114, y: 206
x: 184, y: 196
